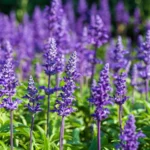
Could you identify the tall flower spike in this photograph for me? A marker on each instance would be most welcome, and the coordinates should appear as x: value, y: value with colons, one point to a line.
x: 118, y: 60
x: 71, y: 66
x: 8, y: 84
x: 7, y: 77
x: 33, y: 97
x: 100, y: 98
x: 129, y: 137
x: 51, y: 59
x: 82, y: 9
x: 105, y: 13
x: 122, y: 16
x: 51, y: 17
x: 120, y: 84
x: 100, y: 95
x: 98, y: 33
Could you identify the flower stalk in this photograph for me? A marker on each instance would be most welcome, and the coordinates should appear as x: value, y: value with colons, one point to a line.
x: 62, y: 132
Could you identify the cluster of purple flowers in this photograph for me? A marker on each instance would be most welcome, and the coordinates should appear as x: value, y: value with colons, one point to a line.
x: 120, y: 93
x: 129, y: 137
x: 53, y: 62
x: 97, y: 32
x: 33, y: 97
x: 64, y: 106
x: 100, y: 95
x: 117, y: 58
x: 8, y: 81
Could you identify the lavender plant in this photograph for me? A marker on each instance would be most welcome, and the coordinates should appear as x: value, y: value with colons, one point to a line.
x: 98, y: 37
x: 120, y: 94
x: 8, y: 84
x: 117, y: 60
x: 33, y: 105
x: 144, y: 55
x: 129, y: 136
x: 63, y: 106
x: 52, y: 66
x: 100, y: 98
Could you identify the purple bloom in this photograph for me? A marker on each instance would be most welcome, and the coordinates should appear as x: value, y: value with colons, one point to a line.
x: 120, y: 85
x: 69, y: 10
x: 105, y: 13
x: 98, y: 34
x: 129, y: 137
x: 117, y: 58
x: 39, y: 31
x: 53, y: 61
x: 64, y: 106
x: 85, y: 56
x: 100, y: 95
x: 62, y: 35
x: 71, y: 66
x: 8, y: 81
x: 137, y: 20
x: 82, y: 7
x: 33, y: 97
x: 146, y: 48
x: 122, y: 16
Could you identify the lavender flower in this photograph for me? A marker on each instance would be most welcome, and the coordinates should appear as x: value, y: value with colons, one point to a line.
x: 8, y: 84
x: 144, y: 55
x: 82, y: 8
x: 118, y: 60
x: 120, y: 94
x: 64, y: 106
x: 105, y: 14
x: 39, y: 31
x: 71, y: 66
x: 120, y: 84
x: 129, y: 137
x: 100, y: 98
x: 137, y: 20
x: 33, y: 105
x: 98, y: 37
x: 100, y: 92
x: 122, y: 16
x: 51, y: 17
x: 98, y: 32
x: 33, y: 97
x: 69, y: 11
x: 53, y: 65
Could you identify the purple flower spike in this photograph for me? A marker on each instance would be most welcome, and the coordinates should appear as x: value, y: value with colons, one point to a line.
x: 118, y: 60
x: 8, y: 80
x: 71, y: 66
x: 100, y: 95
x: 122, y: 16
x: 53, y: 63
x: 105, y: 13
x: 64, y: 106
x: 98, y: 33
x: 129, y: 137
x: 82, y: 9
x: 33, y: 97
x: 146, y: 49
x: 120, y: 84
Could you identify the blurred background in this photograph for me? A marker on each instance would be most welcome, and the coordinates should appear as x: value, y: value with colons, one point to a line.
x: 22, y: 6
